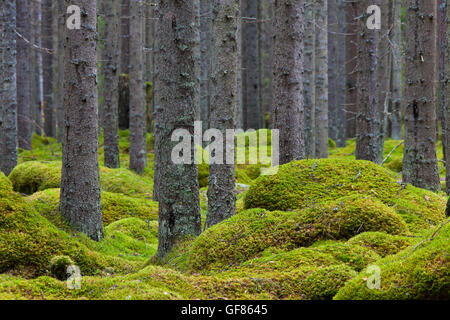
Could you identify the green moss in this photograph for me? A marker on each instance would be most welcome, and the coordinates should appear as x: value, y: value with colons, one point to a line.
x: 5, y: 183
x: 114, y: 206
x: 28, y: 241
x: 382, y: 243
x: 33, y: 176
x: 417, y: 272
x: 301, y: 184
x: 249, y: 233
x: 59, y: 265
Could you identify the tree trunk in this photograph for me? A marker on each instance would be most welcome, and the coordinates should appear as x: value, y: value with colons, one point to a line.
x: 149, y: 52
x: 205, y: 61
x: 321, y: 79
x: 8, y: 127
x: 308, y: 83
x: 125, y: 37
x: 111, y: 60
x: 36, y: 65
x: 367, y: 120
x: 397, y: 62
x: 59, y: 93
x: 138, y: 143
x: 420, y: 166
x: 80, y: 180
x: 341, y: 86
x: 252, y: 108
x: 445, y: 85
x: 288, y: 108
x: 351, y: 66
x: 239, y: 119
x: 221, y: 191
x: 47, y: 42
x: 178, y: 190
x: 23, y: 75
x: 332, y: 70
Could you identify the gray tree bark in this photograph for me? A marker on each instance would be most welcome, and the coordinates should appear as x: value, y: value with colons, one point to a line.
x: 351, y: 66
x: 367, y: 120
x: 397, y: 63
x: 309, y: 72
x: 59, y: 92
x: 420, y: 166
x: 125, y: 36
x: 138, y: 143
x: 23, y: 75
x: 321, y: 79
x: 36, y: 65
x: 332, y: 69
x: 205, y: 61
x: 178, y: 190
x: 47, y: 42
x: 8, y: 129
x: 80, y: 179
x: 111, y: 60
x: 288, y: 107
x: 341, y: 86
x: 221, y: 191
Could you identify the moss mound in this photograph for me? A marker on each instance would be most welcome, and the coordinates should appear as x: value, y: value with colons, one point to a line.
x: 28, y: 242
x: 304, y: 183
x: 59, y: 265
x: 33, y: 176
x: 5, y: 183
x: 114, y: 206
x: 382, y: 243
x: 418, y: 272
x: 249, y: 233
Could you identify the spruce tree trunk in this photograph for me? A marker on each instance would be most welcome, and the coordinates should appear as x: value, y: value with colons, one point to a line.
x: 47, y: 42
x: 288, y: 108
x: 177, y: 184
x: 309, y: 72
x: 23, y: 76
x: 221, y: 191
x: 138, y: 129
x: 8, y: 129
x: 445, y: 85
x: 397, y: 62
x: 36, y: 64
x: 332, y: 70
x: 321, y: 79
x: 420, y: 166
x: 125, y: 36
x: 367, y: 119
x: 205, y: 61
x: 111, y: 60
x: 341, y: 82
x: 59, y: 93
x: 80, y: 179
x: 239, y: 119
x: 252, y: 108
x: 351, y: 46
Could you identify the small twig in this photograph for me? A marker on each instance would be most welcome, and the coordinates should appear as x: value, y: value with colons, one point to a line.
x: 390, y: 153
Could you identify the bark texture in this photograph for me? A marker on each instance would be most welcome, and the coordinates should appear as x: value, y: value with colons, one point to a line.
x: 47, y: 42
x: 308, y: 82
x: 8, y: 128
x: 59, y: 103
x: 288, y: 108
x: 420, y: 166
x: 111, y: 60
x: 177, y: 184
x: 221, y: 191
x: 23, y: 75
x: 332, y: 69
x: 125, y: 36
x: 367, y: 122
x: 36, y: 64
x: 341, y: 81
x: 351, y: 66
x: 321, y: 79
x: 397, y: 63
x: 80, y: 179
x: 138, y: 129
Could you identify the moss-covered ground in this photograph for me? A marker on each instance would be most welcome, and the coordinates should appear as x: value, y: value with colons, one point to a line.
x: 314, y: 230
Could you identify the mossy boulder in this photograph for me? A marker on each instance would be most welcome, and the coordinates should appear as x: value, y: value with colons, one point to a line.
x: 115, y: 206
x: 33, y: 176
x: 421, y: 271
x: 28, y: 242
x: 382, y: 243
x: 301, y: 184
x: 59, y: 265
x: 5, y: 183
x: 249, y: 233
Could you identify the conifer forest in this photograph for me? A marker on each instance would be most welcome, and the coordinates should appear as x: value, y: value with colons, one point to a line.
x: 224, y: 150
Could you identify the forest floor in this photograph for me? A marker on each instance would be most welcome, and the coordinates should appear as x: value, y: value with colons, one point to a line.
x: 318, y: 229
